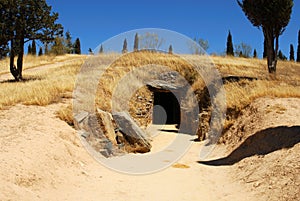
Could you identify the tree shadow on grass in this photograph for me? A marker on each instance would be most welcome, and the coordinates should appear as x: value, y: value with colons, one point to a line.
x: 25, y: 79
x: 261, y: 143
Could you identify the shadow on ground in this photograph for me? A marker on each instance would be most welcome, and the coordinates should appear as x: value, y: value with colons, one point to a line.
x: 169, y: 131
x: 261, y: 143
x: 25, y: 79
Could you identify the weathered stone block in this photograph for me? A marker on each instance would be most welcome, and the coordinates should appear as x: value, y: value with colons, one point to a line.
x: 131, y: 131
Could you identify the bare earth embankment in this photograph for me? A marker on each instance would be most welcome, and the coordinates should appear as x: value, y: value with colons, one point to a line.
x: 263, y: 149
x: 42, y: 159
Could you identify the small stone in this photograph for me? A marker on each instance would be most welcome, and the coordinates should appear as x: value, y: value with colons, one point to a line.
x: 256, y: 184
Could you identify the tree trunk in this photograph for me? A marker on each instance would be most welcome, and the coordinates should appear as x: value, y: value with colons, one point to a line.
x: 20, y: 59
x: 20, y: 45
x: 271, y: 53
x: 276, y: 52
x: 12, y: 67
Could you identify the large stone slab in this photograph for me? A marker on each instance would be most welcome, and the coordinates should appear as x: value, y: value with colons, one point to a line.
x: 96, y: 135
x: 106, y: 124
x: 169, y: 81
x: 131, y: 131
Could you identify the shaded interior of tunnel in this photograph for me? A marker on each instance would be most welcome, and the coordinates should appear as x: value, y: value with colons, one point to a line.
x: 169, y: 112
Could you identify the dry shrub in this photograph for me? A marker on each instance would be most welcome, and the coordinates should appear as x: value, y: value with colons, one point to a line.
x: 65, y: 113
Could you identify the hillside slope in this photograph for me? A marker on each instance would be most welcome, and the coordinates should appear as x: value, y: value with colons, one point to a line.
x: 263, y: 147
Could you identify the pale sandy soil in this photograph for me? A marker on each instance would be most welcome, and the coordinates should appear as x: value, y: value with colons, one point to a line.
x: 43, y: 159
x: 264, y: 143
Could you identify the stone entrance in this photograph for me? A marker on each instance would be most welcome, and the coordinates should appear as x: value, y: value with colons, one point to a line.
x: 174, y: 103
x: 170, y: 108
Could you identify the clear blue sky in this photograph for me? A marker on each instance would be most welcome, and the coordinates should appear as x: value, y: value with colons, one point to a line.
x: 95, y: 21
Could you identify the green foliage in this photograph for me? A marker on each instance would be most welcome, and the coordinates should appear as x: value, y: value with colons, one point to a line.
x: 136, y: 42
x: 292, y: 53
x: 229, y: 46
x: 77, y: 46
x: 22, y: 21
x: 272, y: 16
x: 58, y: 48
x: 69, y: 44
x: 124, y: 50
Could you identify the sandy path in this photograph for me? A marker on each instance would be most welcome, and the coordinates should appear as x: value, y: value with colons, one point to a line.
x: 42, y: 159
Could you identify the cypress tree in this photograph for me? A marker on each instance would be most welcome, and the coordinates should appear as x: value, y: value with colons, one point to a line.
x: 292, y: 53
x: 170, y: 49
x: 40, y: 51
x: 33, y: 50
x: 254, y: 54
x: 77, y: 48
x: 69, y: 44
x: 229, y: 48
x: 101, y: 50
x: 58, y: 47
x: 298, y: 48
x: 124, y: 50
x: 136, y: 42
x: 29, y: 51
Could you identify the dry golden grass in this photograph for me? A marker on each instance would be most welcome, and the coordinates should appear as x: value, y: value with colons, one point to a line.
x: 112, y: 76
x: 42, y: 88
x: 286, y: 70
x: 50, y: 86
x: 34, y: 61
x: 66, y: 114
x: 286, y: 82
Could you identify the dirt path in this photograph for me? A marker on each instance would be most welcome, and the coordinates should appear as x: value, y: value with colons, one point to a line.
x: 42, y: 159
